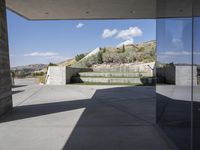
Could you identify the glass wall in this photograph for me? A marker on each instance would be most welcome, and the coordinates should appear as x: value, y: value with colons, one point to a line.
x: 174, y: 80
x: 196, y: 85
x: 178, y: 72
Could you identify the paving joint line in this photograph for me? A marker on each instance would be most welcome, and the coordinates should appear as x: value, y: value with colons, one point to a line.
x: 29, y: 96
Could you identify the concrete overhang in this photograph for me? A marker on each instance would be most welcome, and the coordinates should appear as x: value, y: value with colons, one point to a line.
x: 99, y: 9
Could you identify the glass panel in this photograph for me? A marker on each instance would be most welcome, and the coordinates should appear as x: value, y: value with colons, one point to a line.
x: 196, y: 85
x: 174, y: 59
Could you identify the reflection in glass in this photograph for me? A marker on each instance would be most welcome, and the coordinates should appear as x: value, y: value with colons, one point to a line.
x: 174, y: 80
x: 196, y: 87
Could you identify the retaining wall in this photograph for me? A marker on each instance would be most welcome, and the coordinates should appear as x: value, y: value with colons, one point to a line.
x: 178, y: 74
x: 57, y: 75
x: 148, y: 68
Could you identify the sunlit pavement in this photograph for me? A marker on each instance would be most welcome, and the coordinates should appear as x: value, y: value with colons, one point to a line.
x: 81, y: 117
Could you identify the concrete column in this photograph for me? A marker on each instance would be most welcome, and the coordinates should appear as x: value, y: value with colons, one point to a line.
x: 5, y: 80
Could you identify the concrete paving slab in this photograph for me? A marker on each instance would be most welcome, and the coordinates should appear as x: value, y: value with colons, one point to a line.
x: 74, y: 117
x: 115, y: 138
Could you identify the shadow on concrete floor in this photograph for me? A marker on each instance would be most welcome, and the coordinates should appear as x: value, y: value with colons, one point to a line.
x: 117, y: 98
x: 17, y: 86
x: 18, y: 91
x: 174, y: 117
x: 120, y: 118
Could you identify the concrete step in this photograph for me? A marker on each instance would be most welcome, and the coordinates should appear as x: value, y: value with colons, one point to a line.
x: 111, y: 74
x: 107, y: 80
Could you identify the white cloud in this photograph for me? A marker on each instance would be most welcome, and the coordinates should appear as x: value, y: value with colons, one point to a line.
x: 177, y: 43
x: 45, y: 54
x: 50, y: 56
x: 107, y: 33
x: 57, y: 58
x: 80, y: 25
x: 177, y: 53
x: 165, y: 58
x: 129, y: 33
x: 176, y: 56
x: 127, y: 42
x: 176, y: 40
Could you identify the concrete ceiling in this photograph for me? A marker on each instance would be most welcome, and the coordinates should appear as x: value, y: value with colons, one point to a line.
x: 99, y: 9
x: 83, y: 9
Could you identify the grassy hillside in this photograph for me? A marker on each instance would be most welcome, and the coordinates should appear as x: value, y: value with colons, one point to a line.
x: 68, y: 62
x: 143, y: 52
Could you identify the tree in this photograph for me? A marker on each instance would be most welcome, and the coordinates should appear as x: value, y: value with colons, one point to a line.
x: 79, y: 57
x: 108, y: 57
x: 99, y: 58
x: 123, y: 48
x: 52, y: 64
x: 91, y: 61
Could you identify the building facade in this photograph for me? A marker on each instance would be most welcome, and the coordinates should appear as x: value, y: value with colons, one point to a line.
x: 178, y: 36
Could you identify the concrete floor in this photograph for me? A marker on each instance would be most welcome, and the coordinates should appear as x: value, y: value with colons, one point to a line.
x: 78, y: 117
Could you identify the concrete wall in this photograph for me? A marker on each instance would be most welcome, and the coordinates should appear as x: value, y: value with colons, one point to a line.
x: 5, y: 80
x: 70, y: 72
x: 108, y: 80
x: 166, y: 74
x: 132, y: 67
x: 57, y: 75
x: 183, y: 75
x: 178, y: 75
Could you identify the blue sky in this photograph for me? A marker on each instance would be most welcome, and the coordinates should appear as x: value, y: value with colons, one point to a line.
x: 174, y: 38
x: 197, y: 39
x: 33, y: 42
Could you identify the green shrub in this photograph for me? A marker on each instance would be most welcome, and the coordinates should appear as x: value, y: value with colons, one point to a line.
x: 123, y: 49
x: 52, y: 64
x: 79, y: 57
x: 87, y: 62
x: 42, y: 79
x: 99, y: 58
x: 141, y: 49
x: 35, y: 74
x: 91, y: 61
x: 117, y: 55
x: 102, y: 50
x: 198, y: 80
x: 22, y: 73
x: 108, y: 57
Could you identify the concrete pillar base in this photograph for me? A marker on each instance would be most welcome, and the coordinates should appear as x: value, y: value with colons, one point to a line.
x: 5, y: 80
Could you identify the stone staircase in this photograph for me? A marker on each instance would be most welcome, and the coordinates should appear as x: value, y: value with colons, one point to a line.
x: 112, y: 78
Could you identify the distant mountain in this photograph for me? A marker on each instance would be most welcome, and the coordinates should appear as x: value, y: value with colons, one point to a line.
x: 32, y: 67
